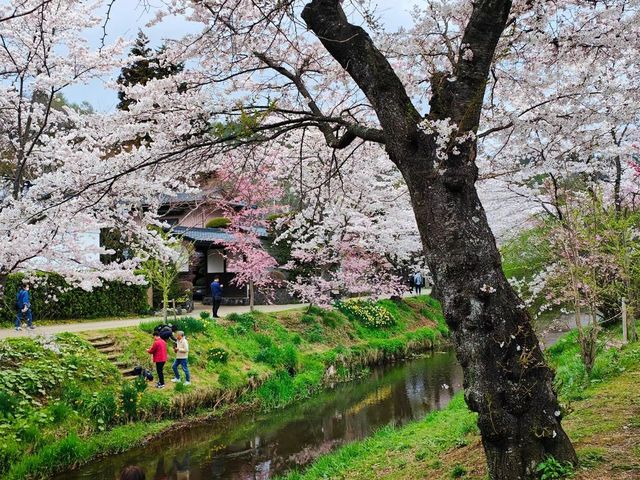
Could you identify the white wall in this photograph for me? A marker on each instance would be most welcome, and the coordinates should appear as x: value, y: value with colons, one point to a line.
x: 215, y: 261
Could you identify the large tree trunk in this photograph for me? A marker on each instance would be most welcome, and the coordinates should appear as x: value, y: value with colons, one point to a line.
x: 506, y: 379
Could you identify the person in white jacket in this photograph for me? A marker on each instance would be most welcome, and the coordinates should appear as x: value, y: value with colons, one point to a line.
x: 182, y: 358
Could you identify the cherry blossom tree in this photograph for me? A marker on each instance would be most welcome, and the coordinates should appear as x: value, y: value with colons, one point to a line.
x: 336, y: 79
x: 486, y: 90
x: 353, y: 225
x: 252, y: 187
x: 66, y: 173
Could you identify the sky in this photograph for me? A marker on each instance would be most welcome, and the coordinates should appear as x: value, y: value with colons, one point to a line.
x: 129, y: 16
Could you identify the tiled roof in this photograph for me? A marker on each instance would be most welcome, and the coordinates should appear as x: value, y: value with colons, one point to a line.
x: 203, y: 234
x: 210, y: 234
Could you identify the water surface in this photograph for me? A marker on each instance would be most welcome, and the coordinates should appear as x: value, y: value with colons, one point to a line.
x: 258, y: 445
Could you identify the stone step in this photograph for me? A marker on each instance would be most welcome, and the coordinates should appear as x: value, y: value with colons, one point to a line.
x: 112, y: 357
x: 103, y: 344
x: 98, y: 338
x: 108, y: 350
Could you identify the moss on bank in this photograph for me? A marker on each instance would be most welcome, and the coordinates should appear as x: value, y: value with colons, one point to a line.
x: 77, y: 407
x: 602, y: 418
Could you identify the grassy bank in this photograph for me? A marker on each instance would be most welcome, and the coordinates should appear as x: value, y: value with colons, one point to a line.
x: 602, y: 418
x: 62, y: 403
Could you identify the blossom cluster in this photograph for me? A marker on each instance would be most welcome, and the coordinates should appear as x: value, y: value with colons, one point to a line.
x: 367, y: 313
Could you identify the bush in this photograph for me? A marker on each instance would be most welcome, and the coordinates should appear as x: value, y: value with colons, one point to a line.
x: 8, y: 404
x: 140, y: 384
x: 245, y: 320
x: 367, y: 313
x: 152, y: 404
x: 59, y: 412
x: 458, y: 472
x: 103, y: 409
x: 285, y: 357
x: 189, y: 325
x: 129, y: 395
x: 552, y: 469
x: 218, y: 355
x: 10, y: 452
x: 218, y: 222
x: 53, y: 298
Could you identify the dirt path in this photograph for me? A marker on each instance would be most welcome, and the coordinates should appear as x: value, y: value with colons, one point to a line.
x: 130, y: 322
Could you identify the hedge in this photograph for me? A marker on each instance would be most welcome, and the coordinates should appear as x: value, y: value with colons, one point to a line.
x: 111, y: 300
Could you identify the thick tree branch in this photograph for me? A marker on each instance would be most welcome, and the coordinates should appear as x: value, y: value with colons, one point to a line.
x: 353, y: 48
x: 353, y: 131
x: 460, y: 97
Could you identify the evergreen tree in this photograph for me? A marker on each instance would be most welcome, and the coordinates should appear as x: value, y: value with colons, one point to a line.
x: 142, y: 70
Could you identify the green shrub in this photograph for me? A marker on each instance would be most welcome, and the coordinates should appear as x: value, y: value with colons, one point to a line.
x: 458, y: 472
x: 552, y: 469
x: 53, y: 298
x: 217, y: 355
x: 189, y: 325
x: 315, y: 334
x: 246, y: 321
x: 103, y: 408
x: 224, y: 379
x: 367, y: 313
x: 181, y: 387
x: 74, y: 396
x: 218, y: 222
x: 205, y: 316
x: 284, y: 357
x: 152, y: 403
x: 8, y: 404
x: 308, y: 319
x: 129, y: 395
x: 10, y: 452
x: 59, y: 412
x: 140, y: 384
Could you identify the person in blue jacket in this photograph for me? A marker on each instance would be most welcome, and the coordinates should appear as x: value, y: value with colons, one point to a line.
x: 23, y: 305
x: 216, y: 295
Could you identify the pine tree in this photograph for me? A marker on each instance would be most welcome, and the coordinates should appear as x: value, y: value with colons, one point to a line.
x: 139, y: 72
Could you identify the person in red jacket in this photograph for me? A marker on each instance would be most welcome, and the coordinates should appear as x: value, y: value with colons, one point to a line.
x: 158, y: 352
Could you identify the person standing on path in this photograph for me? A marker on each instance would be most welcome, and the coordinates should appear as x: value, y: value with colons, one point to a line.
x: 182, y: 355
x: 23, y: 305
x: 216, y: 295
x: 417, y: 282
x: 158, y: 352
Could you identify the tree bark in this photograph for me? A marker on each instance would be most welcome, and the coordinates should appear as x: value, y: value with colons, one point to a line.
x: 506, y: 378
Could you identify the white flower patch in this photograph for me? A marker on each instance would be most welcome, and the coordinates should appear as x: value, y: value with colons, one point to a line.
x: 487, y: 288
x: 445, y: 131
x: 467, y: 53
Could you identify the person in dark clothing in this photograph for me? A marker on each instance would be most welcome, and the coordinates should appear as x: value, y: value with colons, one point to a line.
x: 216, y: 296
x: 132, y: 472
x: 418, y: 281
x: 166, y: 331
x: 23, y: 306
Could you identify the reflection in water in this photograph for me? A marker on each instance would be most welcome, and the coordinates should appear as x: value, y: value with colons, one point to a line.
x: 259, y: 446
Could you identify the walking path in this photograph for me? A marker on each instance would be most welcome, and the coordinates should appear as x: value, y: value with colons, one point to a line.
x: 132, y: 322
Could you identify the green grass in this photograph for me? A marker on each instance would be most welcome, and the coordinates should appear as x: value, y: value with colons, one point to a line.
x: 397, y: 450
x: 598, y: 407
x: 87, y: 410
x: 73, y: 450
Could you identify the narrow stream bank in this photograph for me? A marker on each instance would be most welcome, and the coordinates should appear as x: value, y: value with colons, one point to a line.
x: 261, y: 446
